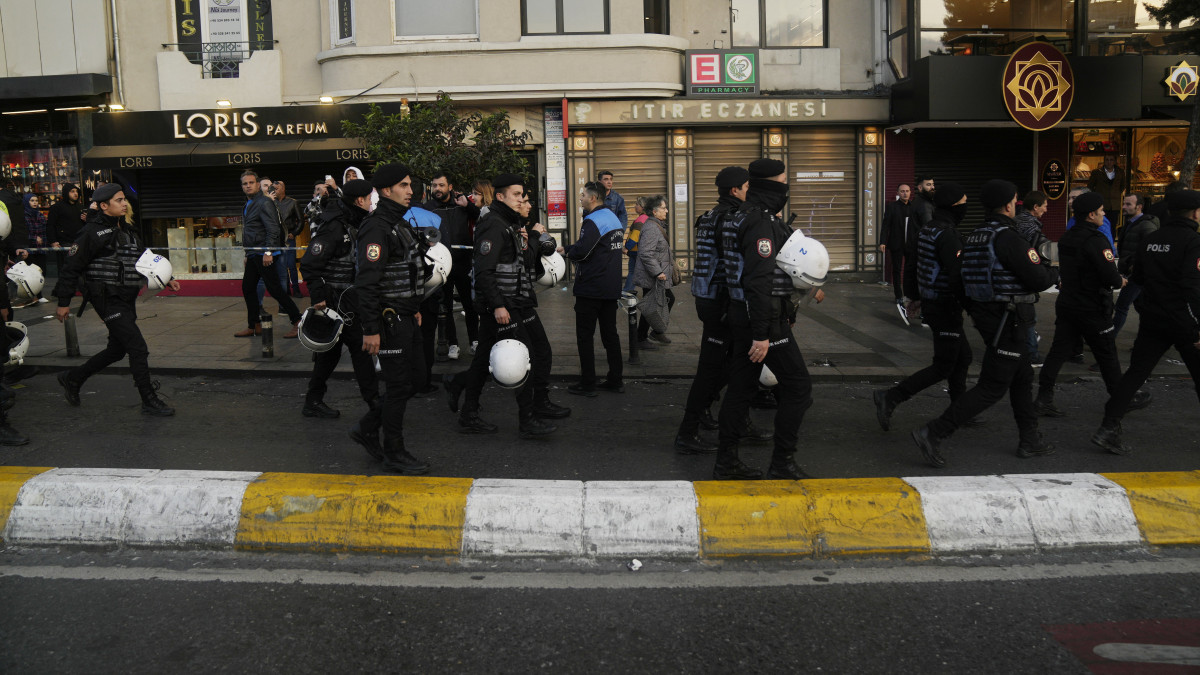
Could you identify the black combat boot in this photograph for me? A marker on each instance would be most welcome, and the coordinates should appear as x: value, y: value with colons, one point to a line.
x: 454, y: 385
x: 783, y: 467
x: 765, y: 399
x: 70, y: 387
x: 1044, y: 404
x: 397, y: 459
x: 9, y: 435
x: 1108, y: 436
x: 545, y: 408
x: 687, y: 440
x: 729, y: 467
x: 1035, y: 446
x: 532, y: 427
x: 318, y: 408
x: 885, y: 405
x: 153, y: 405
x: 752, y: 434
x: 708, y: 422
x: 1141, y: 399
x: 368, y: 439
x: 472, y: 423
x: 930, y: 446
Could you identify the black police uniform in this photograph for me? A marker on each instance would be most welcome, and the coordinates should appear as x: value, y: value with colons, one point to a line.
x: 1084, y: 310
x: 8, y: 435
x: 504, y: 270
x: 390, y: 284
x: 1001, y: 275
x: 939, y: 277
x: 760, y: 308
x: 105, y: 255
x: 1168, y: 268
x: 328, y: 267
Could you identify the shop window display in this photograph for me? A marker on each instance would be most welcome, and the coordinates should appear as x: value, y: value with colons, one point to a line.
x: 41, y: 172
x: 216, y: 237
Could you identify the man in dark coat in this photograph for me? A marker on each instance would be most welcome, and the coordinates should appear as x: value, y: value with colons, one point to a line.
x: 898, y: 240
x: 457, y: 214
x: 261, y: 230
x: 65, y: 221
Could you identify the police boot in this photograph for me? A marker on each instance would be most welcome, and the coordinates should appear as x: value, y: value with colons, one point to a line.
x: 885, y: 405
x: 930, y: 446
x: 687, y: 439
x: 454, y: 385
x: 472, y: 423
x: 318, y: 408
x: 1044, y: 404
x: 153, y: 405
x: 783, y: 467
x: 753, y: 434
x: 764, y: 400
x: 1108, y: 436
x: 7, y: 399
x: 368, y: 439
x: 1035, y: 446
x: 397, y: 459
x: 9, y: 435
x: 544, y: 407
x: 1141, y: 399
x: 729, y: 467
x: 708, y: 422
x: 70, y: 387
x: 532, y: 427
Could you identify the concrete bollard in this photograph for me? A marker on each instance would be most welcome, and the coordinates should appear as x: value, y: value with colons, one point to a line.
x: 72, y: 335
x: 268, y: 336
x: 629, y: 302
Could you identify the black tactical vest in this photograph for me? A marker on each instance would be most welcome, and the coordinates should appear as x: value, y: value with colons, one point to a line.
x: 984, y: 278
x: 118, y: 268
x: 513, y: 278
x: 934, y: 282
x: 708, y: 275
x: 404, y: 271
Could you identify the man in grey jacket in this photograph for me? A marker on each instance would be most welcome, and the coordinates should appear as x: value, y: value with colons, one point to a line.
x: 261, y: 238
x: 1138, y: 224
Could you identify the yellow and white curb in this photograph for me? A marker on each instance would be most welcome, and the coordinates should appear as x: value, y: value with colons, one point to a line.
x: 599, y: 519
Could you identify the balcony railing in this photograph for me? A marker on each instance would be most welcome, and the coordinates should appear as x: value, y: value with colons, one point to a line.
x: 219, y: 59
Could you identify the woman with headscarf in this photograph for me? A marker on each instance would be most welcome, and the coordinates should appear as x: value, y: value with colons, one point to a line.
x: 35, y: 226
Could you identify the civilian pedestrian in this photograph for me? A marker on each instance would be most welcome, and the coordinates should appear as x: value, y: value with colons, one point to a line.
x: 35, y: 224
x: 898, y: 235
x: 66, y: 219
x: 1137, y: 225
x: 457, y: 214
x: 292, y: 223
x: 261, y: 237
x: 655, y: 269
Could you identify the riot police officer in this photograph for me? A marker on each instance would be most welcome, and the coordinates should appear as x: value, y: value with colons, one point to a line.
x: 1084, y: 309
x: 506, y: 261
x: 939, y: 277
x: 760, y: 318
x: 1002, y: 275
x: 1168, y: 268
x: 390, y: 285
x: 106, y: 254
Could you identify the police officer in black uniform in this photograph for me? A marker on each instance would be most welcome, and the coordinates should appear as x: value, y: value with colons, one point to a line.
x: 1002, y: 276
x: 939, y: 277
x: 760, y: 316
x: 1084, y: 309
x: 506, y: 261
x: 105, y: 255
x: 1168, y: 268
x: 390, y: 284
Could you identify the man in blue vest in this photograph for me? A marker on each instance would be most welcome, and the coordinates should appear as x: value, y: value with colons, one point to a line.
x: 597, y: 257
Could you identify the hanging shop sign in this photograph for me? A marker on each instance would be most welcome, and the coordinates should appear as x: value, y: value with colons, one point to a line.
x: 722, y: 72
x: 673, y: 112
x: 1054, y: 179
x: 1039, y: 86
x: 1182, y: 79
x: 311, y: 122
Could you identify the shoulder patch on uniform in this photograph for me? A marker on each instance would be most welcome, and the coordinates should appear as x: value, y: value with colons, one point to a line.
x: 1033, y: 257
x: 316, y: 249
x: 958, y: 253
x: 73, y: 250
x: 373, y: 252
x: 764, y: 248
x: 485, y: 247
x: 1108, y: 254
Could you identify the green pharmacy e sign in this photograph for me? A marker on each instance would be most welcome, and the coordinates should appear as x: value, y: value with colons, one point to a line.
x: 718, y: 72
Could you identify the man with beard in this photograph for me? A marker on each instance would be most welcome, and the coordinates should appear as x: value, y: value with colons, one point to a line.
x: 457, y: 214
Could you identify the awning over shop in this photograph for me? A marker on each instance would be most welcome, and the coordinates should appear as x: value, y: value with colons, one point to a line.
x: 243, y: 154
x: 332, y: 150
x: 163, y: 156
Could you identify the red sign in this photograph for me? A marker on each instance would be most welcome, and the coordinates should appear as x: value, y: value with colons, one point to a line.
x: 706, y: 69
x: 1134, y: 647
x: 1039, y: 86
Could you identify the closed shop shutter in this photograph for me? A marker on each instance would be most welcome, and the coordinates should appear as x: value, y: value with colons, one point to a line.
x: 638, y: 160
x: 715, y: 150
x: 200, y: 192
x: 824, y: 196
x: 971, y: 158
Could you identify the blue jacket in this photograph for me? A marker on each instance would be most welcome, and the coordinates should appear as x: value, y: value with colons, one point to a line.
x: 616, y: 203
x: 597, y: 255
x: 1105, y: 229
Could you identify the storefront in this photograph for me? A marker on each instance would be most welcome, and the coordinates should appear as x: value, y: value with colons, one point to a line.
x: 832, y: 148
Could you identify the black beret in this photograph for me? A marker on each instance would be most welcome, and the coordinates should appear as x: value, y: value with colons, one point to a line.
x: 106, y: 192
x: 1087, y: 202
x: 506, y: 179
x: 948, y: 194
x: 353, y: 189
x: 1183, y: 200
x: 766, y: 168
x: 388, y: 175
x: 996, y: 193
x: 732, y: 176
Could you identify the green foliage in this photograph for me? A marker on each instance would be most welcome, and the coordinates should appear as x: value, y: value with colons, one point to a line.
x: 433, y: 137
x: 1172, y: 13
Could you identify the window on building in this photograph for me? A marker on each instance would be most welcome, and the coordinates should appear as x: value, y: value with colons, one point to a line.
x: 978, y: 27
x: 1116, y: 27
x: 778, y: 23
x: 561, y: 17
x: 898, y: 32
x: 342, y: 25
x: 657, y: 15
x: 453, y: 19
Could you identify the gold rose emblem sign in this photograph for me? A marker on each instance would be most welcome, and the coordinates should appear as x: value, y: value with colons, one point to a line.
x: 1038, y: 86
x: 1181, y: 81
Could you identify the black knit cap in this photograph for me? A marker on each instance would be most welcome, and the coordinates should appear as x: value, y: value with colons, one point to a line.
x: 732, y: 177
x: 388, y: 175
x: 506, y: 179
x: 1086, y: 203
x: 996, y: 193
x: 1183, y: 200
x: 353, y: 189
x: 766, y: 168
x: 106, y: 192
x: 948, y: 194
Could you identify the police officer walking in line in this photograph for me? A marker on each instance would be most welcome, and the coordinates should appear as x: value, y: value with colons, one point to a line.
x: 1002, y: 275
x: 328, y: 268
x: 939, y: 276
x: 1168, y: 268
x: 390, y: 284
x: 760, y: 316
x: 106, y: 254
x: 505, y: 266
x: 1084, y: 309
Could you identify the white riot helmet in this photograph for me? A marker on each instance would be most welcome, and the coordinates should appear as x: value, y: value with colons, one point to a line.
x: 766, y: 378
x: 156, y: 268
x: 28, y: 278
x: 555, y: 269
x: 440, y: 261
x: 18, y: 343
x: 319, y: 329
x: 509, y: 363
x: 5, y: 223
x: 805, y: 260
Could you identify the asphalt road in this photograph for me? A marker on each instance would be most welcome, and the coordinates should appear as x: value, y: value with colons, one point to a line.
x: 139, y: 612
x: 254, y: 424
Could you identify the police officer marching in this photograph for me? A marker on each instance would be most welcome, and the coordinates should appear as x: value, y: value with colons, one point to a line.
x: 760, y: 316
x: 939, y: 277
x: 1167, y: 266
x: 390, y: 285
x: 106, y: 254
x: 506, y: 262
x: 1084, y: 309
x: 1001, y: 275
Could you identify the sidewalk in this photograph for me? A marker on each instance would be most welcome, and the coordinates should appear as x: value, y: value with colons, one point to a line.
x: 854, y: 336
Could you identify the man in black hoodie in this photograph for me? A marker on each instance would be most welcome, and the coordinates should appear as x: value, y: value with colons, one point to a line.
x: 456, y: 213
x: 65, y: 221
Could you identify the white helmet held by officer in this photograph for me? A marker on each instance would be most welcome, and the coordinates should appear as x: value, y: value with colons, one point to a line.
x: 320, y: 329
x: 805, y: 260
x: 509, y: 363
x: 5, y: 222
x: 440, y: 262
x: 157, y: 270
x: 18, y: 343
x: 28, y: 278
x: 766, y: 378
x: 554, y: 268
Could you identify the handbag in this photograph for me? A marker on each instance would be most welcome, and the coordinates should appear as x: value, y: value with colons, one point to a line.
x: 654, y: 308
x: 676, y: 275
